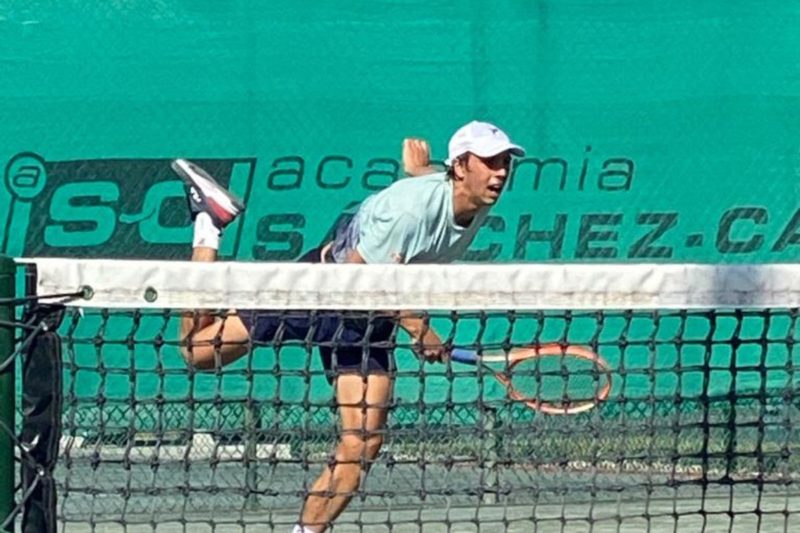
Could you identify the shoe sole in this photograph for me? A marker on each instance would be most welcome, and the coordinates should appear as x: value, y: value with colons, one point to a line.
x: 187, y: 170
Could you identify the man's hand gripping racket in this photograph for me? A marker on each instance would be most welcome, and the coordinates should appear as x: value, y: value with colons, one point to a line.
x: 551, y: 378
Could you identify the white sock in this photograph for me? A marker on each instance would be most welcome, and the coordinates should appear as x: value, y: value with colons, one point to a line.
x: 301, y: 529
x: 206, y: 234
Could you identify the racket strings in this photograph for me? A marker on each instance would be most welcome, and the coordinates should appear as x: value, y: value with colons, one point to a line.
x: 563, y: 379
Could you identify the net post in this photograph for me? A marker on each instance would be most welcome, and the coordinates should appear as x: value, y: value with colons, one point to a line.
x: 7, y: 392
x: 492, y: 448
x: 252, y: 436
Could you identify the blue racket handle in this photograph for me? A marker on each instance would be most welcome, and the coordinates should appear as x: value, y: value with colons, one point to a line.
x: 464, y: 356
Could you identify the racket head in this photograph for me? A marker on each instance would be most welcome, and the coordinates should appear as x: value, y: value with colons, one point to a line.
x: 597, y: 375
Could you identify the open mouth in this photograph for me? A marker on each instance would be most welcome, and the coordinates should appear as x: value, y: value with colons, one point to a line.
x: 496, y: 188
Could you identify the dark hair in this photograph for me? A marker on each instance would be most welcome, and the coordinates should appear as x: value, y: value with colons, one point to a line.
x: 463, y: 158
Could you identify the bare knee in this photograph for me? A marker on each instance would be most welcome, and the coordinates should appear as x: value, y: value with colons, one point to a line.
x: 212, y: 355
x: 359, y: 446
x: 216, y: 344
x: 197, y: 356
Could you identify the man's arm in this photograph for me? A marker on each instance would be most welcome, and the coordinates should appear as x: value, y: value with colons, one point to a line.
x: 426, y: 341
x: 417, y: 157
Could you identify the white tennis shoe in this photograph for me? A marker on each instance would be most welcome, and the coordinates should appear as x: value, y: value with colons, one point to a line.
x: 204, y: 194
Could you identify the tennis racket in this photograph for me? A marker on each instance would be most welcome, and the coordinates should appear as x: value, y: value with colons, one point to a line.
x: 550, y: 378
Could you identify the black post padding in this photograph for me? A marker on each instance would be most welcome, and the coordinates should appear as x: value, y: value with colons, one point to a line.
x: 41, y: 419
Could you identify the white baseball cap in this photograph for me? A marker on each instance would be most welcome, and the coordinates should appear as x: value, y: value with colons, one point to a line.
x: 482, y: 139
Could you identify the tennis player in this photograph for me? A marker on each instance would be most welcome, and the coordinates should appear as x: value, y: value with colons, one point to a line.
x: 432, y: 218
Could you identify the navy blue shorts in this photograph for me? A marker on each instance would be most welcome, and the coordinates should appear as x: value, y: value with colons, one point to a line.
x: 349, y: 342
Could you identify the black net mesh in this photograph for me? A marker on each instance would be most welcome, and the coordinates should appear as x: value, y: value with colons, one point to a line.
x: 702, y: 413
x: 700, y: 426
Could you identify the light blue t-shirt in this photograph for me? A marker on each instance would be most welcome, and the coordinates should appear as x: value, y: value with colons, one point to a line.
x: 409, y: 222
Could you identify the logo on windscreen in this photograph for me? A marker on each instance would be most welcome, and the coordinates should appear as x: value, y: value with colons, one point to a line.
x: 123, y: 208
x: 136, y: 208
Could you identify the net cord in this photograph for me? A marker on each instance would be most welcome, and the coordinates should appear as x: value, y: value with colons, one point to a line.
x: 251, y: 285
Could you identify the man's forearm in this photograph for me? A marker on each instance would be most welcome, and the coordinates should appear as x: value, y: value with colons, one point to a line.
x: 426, y: 341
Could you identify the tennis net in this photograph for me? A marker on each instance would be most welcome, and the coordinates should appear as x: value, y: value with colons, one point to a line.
x: 698, y: 429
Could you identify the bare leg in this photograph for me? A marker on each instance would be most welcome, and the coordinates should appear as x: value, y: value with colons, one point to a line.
x: 193, y: 321
x: 363, y: 406
x: 206, y: 340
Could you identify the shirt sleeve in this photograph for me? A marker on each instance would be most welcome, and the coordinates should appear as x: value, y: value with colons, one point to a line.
x: 388, y: 238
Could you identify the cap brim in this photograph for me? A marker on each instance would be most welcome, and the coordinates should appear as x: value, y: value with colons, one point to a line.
x: 515, y: 149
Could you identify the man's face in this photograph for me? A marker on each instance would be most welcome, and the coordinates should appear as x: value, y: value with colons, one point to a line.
x: 484, y: 177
